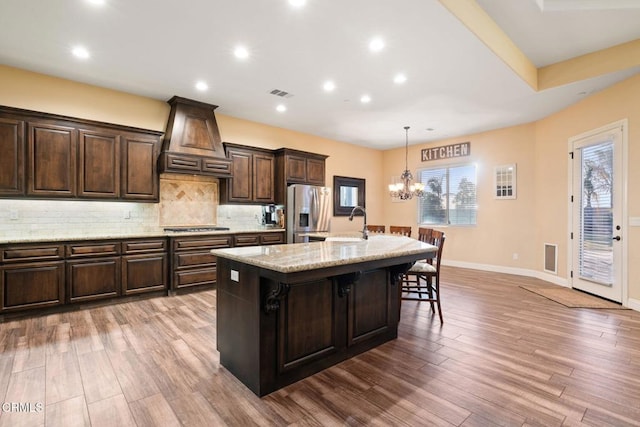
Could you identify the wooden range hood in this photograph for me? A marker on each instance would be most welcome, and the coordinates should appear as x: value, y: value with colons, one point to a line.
x: 192, y: 143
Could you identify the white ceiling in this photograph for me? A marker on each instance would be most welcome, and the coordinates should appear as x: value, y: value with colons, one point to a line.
x: 456, y: 85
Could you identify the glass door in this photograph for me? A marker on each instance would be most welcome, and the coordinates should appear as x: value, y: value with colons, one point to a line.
x: 596, y: 214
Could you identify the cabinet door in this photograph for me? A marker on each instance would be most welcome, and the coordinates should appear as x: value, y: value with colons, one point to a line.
x: 315, y: 171
x: 93, y: 279
x: 263, y: 178
x: 144, y: 273
x: 239, y: 188
x: 52, y: 160
x: 139, y: 168
x: 296, y: 169
x: 99, y: 164
x: 32, y: 285
x: 12, y: 157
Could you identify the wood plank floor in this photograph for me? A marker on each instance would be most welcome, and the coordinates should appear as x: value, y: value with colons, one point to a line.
x: 505, y: 356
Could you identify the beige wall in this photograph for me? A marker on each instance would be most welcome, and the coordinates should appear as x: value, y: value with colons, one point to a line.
x: 505, y: 227
x: 33, y: 91
x: 540, y: 213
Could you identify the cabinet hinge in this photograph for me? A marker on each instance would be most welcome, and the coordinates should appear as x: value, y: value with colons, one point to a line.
x: 572, y: 235
x: 571, y: 199
x: 571, y: 154
x: 572, y: 274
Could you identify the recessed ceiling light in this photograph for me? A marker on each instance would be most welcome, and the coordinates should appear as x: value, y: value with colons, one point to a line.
x: 97, y: 2
x: 281, y: 108
x: 376, y: 44
x: 297, y: 3
x: 241, y: 52
x: 80, y: 52
x: 365, y: 99
x: 202, y: 86
x: 399, y: 78
x: 430, y: 129
x: 329, y: 86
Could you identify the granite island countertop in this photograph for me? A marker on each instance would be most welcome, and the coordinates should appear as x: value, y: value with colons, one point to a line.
x: 314, y: 255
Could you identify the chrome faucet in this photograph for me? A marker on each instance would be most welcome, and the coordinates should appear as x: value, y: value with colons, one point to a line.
x: 364, y: 213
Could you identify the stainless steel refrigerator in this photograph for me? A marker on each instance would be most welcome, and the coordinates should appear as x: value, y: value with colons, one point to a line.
x: 308, y: 210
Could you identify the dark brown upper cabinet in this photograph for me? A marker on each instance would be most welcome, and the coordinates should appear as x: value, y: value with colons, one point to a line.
x: 51, y: 169
x: 99, y: 163
x: 297, y: 167
x: 253, y: 176
x: 12, y: 147
x: 51, y: 156
x: 139, y: 170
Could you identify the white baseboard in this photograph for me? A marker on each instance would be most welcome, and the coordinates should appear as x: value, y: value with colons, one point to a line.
x: 632, y: 303
x: 560, y: 281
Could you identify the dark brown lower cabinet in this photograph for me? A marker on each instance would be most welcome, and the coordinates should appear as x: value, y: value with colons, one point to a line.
x: 93, y: 279
x: 144, y: 273
x: 32, y: 285
x: 191, y: 261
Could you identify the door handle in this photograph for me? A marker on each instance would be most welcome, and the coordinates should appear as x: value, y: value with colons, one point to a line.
x: 618, y: 238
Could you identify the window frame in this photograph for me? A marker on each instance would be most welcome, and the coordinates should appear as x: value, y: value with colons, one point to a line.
x: 447, y: 194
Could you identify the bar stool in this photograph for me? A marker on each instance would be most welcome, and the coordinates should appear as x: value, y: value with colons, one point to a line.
x: 376, y: 228
x: 423, y: 278
x: 400, y: 229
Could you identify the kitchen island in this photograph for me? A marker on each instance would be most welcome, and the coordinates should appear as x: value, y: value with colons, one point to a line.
x: 285, y: 312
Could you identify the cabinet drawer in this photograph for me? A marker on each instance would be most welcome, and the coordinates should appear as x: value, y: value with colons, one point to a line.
x: 272, y: 238
x: 143, y: 246
x: 184, y: 260
x: 32, y: 253
x: 217, y: 167
x: 93, y: 249
x: 210, y: 242
x: 183, y: 163
x: 187, y: 278
x: 247, y: 240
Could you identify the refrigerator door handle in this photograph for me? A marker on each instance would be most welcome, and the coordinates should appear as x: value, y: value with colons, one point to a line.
x: 314, y: 208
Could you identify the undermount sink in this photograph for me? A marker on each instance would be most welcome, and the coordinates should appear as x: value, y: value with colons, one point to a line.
x: 344, y: 239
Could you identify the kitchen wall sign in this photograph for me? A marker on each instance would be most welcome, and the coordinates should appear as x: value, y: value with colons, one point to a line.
x: 446, y: 151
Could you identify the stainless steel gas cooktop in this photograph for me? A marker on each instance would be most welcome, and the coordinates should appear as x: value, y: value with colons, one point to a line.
x: 197, y: 228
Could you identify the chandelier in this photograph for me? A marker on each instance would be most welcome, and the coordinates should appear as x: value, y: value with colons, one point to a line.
x: 405, y: 190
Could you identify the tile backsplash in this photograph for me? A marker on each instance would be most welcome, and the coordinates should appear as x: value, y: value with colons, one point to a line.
x: 184, y: 200
x: 53, y: 218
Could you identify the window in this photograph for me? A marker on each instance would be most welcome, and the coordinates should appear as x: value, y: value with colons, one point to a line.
x: 450, y: 196
x: 505, y: 182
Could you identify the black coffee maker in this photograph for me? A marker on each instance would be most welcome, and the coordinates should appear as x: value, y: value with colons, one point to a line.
x: 272, y: 216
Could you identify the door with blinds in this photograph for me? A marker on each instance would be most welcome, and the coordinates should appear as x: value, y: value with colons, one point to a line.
x: 596, y: 235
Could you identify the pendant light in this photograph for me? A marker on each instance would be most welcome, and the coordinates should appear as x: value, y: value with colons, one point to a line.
x: 405, y: 189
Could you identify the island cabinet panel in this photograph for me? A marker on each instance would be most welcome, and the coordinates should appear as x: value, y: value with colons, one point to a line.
x: 370, y: 311
x: 12, y: 147
x: 276, y: 328
x: 51, y: 169
x: 32, y: 285
x: 308, y: 324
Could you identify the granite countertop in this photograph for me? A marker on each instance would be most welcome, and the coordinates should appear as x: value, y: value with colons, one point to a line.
x: 308, y: 256
x: 60, y: 236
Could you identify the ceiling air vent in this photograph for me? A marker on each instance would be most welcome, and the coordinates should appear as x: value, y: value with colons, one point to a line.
x: 281, y: 93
